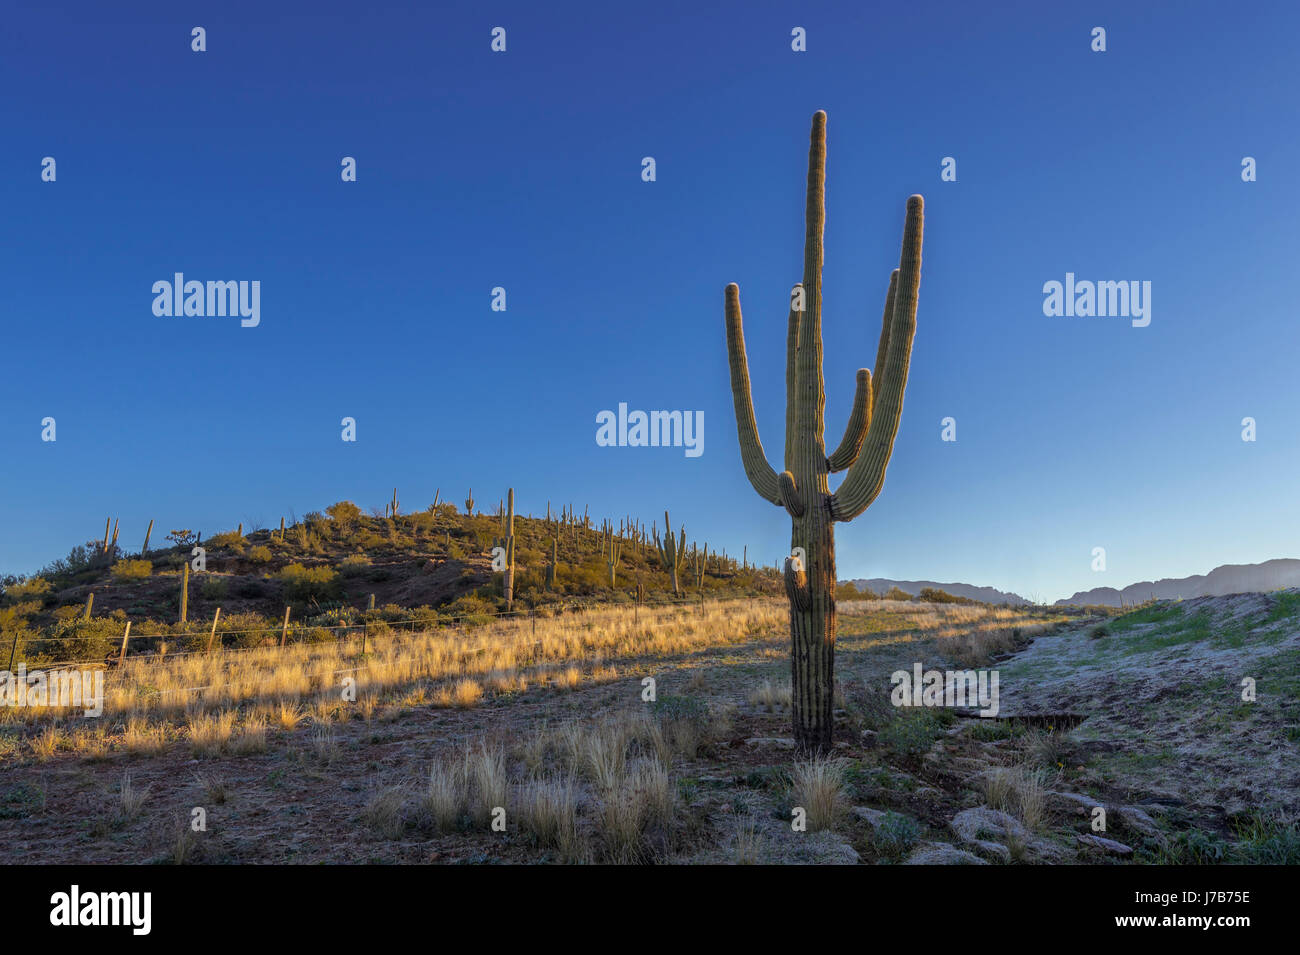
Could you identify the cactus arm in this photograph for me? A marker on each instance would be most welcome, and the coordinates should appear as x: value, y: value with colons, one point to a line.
x: 855, y: 432
x: 867, y: 475
x: 882, y: 350
x: 791, y: 379
x: 790, y: 495
x: 760, y: 473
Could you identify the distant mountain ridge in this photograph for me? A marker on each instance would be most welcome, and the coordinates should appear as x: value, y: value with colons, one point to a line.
x: 879, y: 585
x: 1277, y: 574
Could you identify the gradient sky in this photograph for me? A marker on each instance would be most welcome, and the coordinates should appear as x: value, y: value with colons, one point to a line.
x: 522, y: 170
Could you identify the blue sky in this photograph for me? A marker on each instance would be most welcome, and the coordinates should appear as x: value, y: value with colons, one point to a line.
x: 522, y: 170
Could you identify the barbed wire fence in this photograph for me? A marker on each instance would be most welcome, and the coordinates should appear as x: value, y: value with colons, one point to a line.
x: 363, y: 630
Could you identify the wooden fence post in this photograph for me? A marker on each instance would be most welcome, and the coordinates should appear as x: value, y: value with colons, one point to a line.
x: 121, y: 657
x: 13, y: 648
x: 284, y: 629
x: 212, y: 636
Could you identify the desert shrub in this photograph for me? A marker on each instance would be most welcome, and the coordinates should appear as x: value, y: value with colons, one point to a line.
x: 936, y: 596
x: 32, y: 587
x: 310, y: 583
x: 79, y: 558
x: 354, y: 564
x: 16, y: 615
x: 81, y: 641
x: 260, y: 554
x: 212, y: 588
x: 132, y: 569
x: 241, y: 630
x: 912, y: 732
x: 345, y: 515
x: 897, y: 593
x: 230, y: 540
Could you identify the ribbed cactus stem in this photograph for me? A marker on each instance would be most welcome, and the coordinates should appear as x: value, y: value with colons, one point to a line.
x: 145, y: 550
x: 394, y: 504
x: 90, y: 605
x: 611, y: 561
x: 508, y: 585
x: 671, y: 552
x: 802, y: 487
x: 469, y: 504
x: 107, y: 523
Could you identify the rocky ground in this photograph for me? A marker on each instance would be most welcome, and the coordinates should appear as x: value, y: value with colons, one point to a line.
x: 1140, y: 716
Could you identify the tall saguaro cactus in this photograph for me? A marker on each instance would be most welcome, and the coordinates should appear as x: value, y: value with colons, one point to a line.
x: 802, y: 488
x: 671, y: 552
x: 508, y: 542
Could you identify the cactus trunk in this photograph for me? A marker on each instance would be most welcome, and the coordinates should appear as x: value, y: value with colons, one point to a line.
x: 145, y: 550
x: 802, y: 488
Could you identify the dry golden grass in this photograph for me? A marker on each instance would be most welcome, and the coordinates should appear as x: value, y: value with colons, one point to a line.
x: 205, y: 695
x: 385, y: 812
x: 769, y: 697
x: 131, y: 798
x: 445, y: 797
x: 817, y: 786
x: 1017, y: 791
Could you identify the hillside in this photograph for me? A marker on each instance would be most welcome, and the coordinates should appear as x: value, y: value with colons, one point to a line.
x: 989, y: 595
x: 1279, y: 574
x: 340, y: 569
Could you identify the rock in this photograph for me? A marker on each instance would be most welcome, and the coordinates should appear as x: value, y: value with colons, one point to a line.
x: 1071, y: 802
x: 780, y: 742
x: 1106, y: 845
x: 972, y: 825
x: 942, y: 853
x: 873, y: 816
x: 988, y: 831
x: 1136, y: 821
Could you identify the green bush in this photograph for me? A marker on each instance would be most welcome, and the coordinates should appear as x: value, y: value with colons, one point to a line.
x: 260, y: 554
x: 212, y: 588
x: 133, y: 569
x: 81, y: 641
x: 302, y: 584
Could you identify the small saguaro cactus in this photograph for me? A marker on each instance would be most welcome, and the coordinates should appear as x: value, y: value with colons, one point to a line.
x: 394, y: 504
x: 802, y: 488
x: 90, y: 605
x: 144, y: 551
x: 185, y: 590
x: 671, y: 552
x: 108, y: 521
x: 508, y: 542
x: 112, y: 544
x: 282, y: 528
x: 613, y: 550
x: 469, y: 504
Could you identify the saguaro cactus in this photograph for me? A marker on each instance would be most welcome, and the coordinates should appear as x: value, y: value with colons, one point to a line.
x: 145, y: 550
x: 550, y: 568
x: 469, y: 504
x: 394, y: 504
x: 864, y: 450
x: 508, y: 542
x: 671, y: 552
x: 613, y: 550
